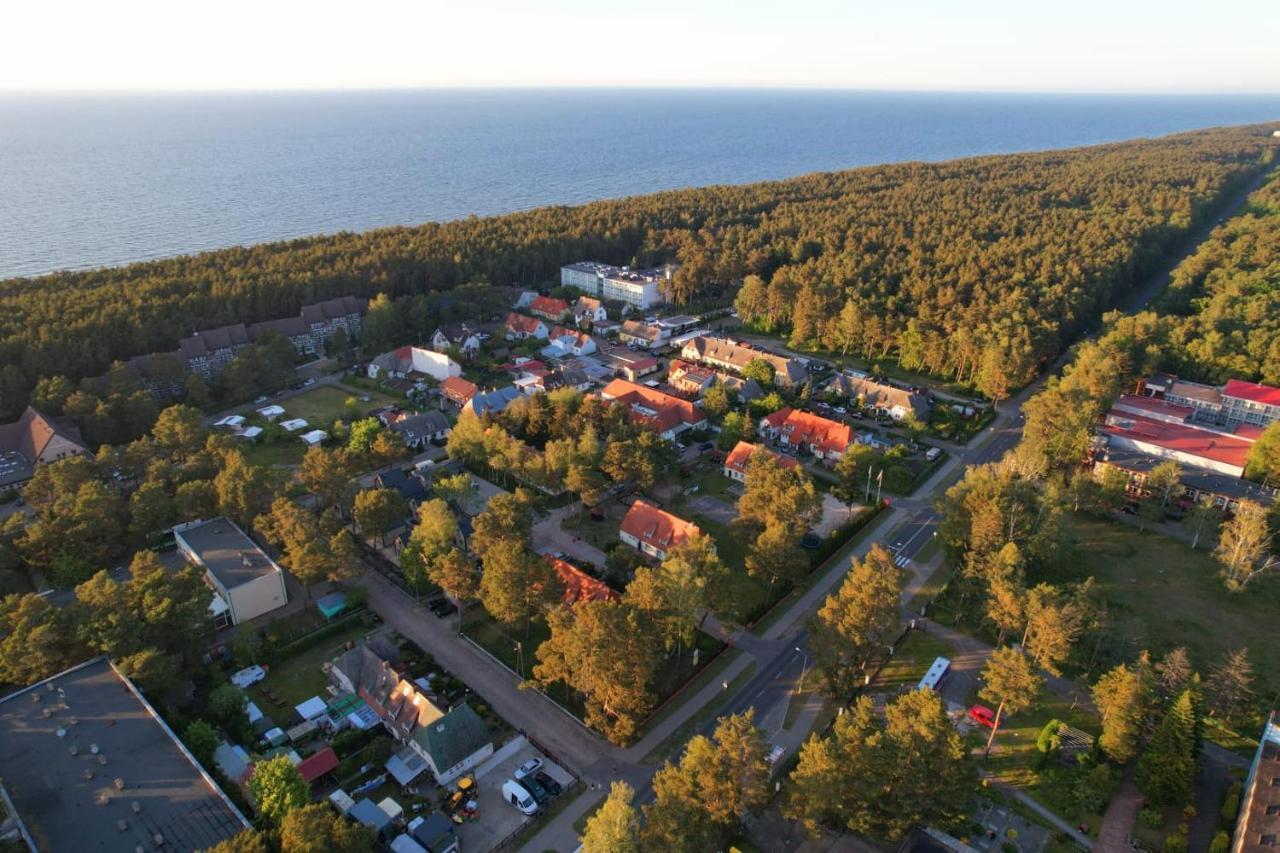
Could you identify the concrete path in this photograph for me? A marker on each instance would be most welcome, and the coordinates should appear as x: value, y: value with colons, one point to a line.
x: 1117, y: 821
x: 548, y: 537
x: 1052, y: 819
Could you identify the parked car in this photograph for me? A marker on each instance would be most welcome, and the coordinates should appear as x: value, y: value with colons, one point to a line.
x: 553, y: 787
x: 533, y: 765
x: 540, y: 794
x: 516, y: 794
x: 260, y: 400
x: 983, y: 716
x: 444, y: 609
x: 775, y: 753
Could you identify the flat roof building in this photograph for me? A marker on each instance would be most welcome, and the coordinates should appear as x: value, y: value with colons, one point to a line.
x: 640, y: 288
x: 1258, y: 827
x: 246, y: 582
x: 87, y: 764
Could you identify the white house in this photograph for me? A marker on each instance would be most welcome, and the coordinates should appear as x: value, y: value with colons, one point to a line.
x: 461, y: 337
x: 401, y: 362
x: 564, y: 343
x: 521, y: 326
x: 245, y: 581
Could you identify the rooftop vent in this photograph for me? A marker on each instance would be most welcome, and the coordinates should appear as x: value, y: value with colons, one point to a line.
x: 87, y: 773
x: 102, y: 759
x: 136, y: 806
x: 73, y: 749
x: 61, y: 732
x: 93, y: 748
x: 122, y: 824
x: 119, y: 783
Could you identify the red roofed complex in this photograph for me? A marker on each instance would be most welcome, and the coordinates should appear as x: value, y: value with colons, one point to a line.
x: 735, y: 464
x: 1250, y: 403
x: 548, y: 307
x: 314, y: 766
x: 654, y: 531
x: 825, y: 439
x: 580, y: 586
x: 666, y: 415
x: 1186, y: 443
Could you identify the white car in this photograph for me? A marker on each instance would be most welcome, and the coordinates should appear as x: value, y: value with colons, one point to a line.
x: 533, y: 765
x: 515, y: 794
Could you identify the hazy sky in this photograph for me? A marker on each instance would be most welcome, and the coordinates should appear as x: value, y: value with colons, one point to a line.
x: 1085, y: 45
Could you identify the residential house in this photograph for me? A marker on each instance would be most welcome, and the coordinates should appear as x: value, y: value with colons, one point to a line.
x: 677, y: 325
x: 565, y: 343
x: 525, y: 299
x: 807, y: 432
x: 654, y: 531
x: 400, y: 363
x: 641, y: 334
x: 492, y: 402
x: 1258, y: 826
x: 540, y: 380
x: 895, y: 402
x: 588, y: 311
x: 408, y: 484
x: 32, y: 440
x: 520, y: 327
x: 606, y: 328
x: 451, y: 742
x: 578, y: 585
x: 735, y: 464
x: 459, y: 336
x: 456, y: 392
x: 724, y: 353
x: 246, y: 582
x: 690, y: 378
x: 418, y: 430
x: 639, y: 288
x: 633, y: 365
x: 665, y: 414
x: 549, y: 308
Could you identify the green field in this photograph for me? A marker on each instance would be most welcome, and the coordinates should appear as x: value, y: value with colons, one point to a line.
x: 323, y: 405
x: 1162, y: 594
x: 299, y: 677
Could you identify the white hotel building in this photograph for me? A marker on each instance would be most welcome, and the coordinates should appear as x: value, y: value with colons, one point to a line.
x: 639, y: 288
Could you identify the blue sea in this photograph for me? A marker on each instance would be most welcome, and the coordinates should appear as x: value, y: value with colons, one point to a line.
x: 88, y: 181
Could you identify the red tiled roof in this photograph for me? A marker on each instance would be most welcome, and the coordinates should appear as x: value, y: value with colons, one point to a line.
x: 1264, y: 394
x: 549, y: 306
x: 315, y: 766
x: 457, y: 388
x: 521, y: 323
x: 741, y: 454
x: 656, y: 527
x: 807, y: 428
x: 668, y: 410
x: 1182, y: 438
x: 1155, y: 406
x: 580, y: 586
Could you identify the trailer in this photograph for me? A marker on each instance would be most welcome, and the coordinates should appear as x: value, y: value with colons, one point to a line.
x: 937, y: 672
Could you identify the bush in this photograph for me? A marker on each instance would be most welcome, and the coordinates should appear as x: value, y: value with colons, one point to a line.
x: 1151, y: 818
x: 1176, y: 842
x: 1094, y: 789
x: 1220, y: 843
x: 350, y: 741
x: 1008, y: 847
x: 1048, y: 740
x: 1231, y: 805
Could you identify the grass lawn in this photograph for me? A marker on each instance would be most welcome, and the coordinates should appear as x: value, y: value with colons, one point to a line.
x: 910, y: 661
x: 298, y: 678
x: 286, y: 452
x: 1162, y: 594
x: 321, y: 406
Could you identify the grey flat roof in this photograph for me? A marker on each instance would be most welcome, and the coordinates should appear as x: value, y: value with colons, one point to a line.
x: 71, y: 802
x: 229, y: 555
x: 1200, y: 479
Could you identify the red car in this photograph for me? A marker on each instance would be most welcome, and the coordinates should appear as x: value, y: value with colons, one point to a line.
x: 983, y: 716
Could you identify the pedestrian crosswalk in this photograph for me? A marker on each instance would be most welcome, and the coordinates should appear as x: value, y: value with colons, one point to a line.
x: 901, y: 561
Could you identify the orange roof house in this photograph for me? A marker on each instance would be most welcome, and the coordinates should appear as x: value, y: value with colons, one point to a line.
x: 735, y: 464
x: 665, y: 414
x: 548, y: 307
x: 824, y: 438
x: 580, y: 586
x: 456, y: 390
x: 520, y: 326
x: 654, y: 531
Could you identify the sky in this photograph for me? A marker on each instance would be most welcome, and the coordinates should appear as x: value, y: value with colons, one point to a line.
x: 989, y: 45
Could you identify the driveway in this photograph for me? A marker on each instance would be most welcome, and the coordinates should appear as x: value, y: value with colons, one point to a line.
x: 549, y: 537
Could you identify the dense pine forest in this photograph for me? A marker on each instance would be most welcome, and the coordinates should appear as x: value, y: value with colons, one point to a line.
x: 978, y: 268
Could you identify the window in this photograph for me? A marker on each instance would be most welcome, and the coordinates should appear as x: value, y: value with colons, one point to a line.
x: 1267, y: 840
x: 1273, y: 809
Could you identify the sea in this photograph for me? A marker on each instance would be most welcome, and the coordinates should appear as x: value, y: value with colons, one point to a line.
x: 98, y: 180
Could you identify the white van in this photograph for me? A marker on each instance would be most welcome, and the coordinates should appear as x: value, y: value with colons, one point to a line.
x: 513, y: 792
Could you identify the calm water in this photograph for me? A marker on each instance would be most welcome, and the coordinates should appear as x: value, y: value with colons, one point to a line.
x: 91, y: 181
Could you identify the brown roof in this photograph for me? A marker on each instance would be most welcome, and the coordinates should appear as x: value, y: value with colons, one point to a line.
x: 31, y: 433
x: 640, y: 329
x: 580, y: 586
x: 657, y: 527
x: 457, y: 389
x: 290, y: 327
x: 667, y: 410
x: 333, y: 309
x: 548, y: 305
x: 879, y: 395
x: 741, y: 454
x: 722, y: 351
x: 521, y: 323
x: 224, y: 337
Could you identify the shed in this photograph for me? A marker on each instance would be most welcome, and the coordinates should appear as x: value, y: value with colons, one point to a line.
x: 233, y: 761
x: 294, y: 424
x: 434, y: 832
x: 332, y: 604
x: 405, y: 844
x: 341, y: 801
x: 393, y: 810
x: 250, y: 433
x: 271, y: 412
x: 312, y: 708
x: 316, y: 436
x: 368, y: 814
x: 274, y: 737
x: 315, y: 766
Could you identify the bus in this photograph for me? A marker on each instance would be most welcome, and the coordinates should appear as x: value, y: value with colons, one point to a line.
x: 934, y: 676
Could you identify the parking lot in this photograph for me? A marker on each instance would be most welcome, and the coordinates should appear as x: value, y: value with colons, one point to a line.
x: 499, y: 819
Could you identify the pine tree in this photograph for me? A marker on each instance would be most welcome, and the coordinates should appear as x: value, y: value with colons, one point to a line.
x: 1166, y: 768
x: 1231, y: 685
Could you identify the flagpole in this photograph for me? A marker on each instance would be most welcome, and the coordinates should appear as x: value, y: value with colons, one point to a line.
x: 868, y: 497
x: 879, y: 483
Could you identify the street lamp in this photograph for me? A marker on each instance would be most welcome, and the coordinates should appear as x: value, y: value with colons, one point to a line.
x: 519, y: 647
x: 804, y: 669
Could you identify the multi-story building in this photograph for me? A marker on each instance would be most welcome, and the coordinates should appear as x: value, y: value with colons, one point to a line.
x: 1166, y: 430
x: 32, y: 440
x: 1237, y: 402
x: 723, y: 353
x: 245, y: 581
x: 735, y: 464
x: 895, y: 402
x: 1258, y: 827
x: 666, y: 415
x: 825, y: 439
x: 639, y: 288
